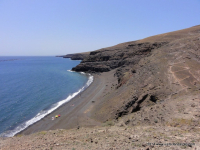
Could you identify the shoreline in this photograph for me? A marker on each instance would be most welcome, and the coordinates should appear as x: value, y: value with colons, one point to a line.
x: 74, y: 113
x: 18, y: 129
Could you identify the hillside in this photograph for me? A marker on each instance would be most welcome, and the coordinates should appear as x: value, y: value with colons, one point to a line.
x: 159, y: 75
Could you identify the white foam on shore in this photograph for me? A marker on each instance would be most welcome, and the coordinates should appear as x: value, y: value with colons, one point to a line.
x: 42, y: 113
x: 70, y: 71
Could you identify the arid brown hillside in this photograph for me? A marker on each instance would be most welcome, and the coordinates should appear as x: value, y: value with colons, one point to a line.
x: 159, y: 75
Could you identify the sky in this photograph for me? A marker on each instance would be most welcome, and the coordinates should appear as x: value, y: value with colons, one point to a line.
x: 59, y: 27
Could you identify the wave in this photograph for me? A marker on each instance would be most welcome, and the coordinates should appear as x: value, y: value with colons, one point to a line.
x: 43, y: 113
x: 70, y: 71
x: 82, y: 72
x: 74, y: 71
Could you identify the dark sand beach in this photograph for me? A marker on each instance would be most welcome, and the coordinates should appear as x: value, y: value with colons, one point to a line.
x: 75, y: 113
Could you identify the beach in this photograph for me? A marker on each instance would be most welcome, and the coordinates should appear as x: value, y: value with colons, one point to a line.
x: 75, y: 113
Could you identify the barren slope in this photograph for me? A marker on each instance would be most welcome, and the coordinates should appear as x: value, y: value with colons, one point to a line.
x: 106, y: 138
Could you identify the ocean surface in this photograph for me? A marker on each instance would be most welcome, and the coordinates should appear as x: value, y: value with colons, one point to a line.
x: 32, y: 87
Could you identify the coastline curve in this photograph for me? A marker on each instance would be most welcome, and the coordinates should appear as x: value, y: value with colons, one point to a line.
x: 43, y: 113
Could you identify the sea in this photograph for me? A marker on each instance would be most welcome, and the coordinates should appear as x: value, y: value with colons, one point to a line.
x: 33, y: 87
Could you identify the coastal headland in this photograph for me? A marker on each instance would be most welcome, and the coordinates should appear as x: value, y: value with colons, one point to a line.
x: 143, y: 91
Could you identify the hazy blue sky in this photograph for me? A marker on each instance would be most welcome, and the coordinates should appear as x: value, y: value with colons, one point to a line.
x: 56, y: 27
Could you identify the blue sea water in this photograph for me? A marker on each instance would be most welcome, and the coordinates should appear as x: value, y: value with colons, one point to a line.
x: 32, y: 87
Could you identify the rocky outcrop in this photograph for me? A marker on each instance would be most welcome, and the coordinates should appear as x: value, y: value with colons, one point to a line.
x: 110, y: 58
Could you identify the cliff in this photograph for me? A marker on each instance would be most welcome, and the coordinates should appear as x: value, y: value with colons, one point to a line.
x: 114, y: 57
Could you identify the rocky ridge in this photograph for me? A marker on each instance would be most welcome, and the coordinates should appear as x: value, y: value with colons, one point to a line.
x: 114, y: 57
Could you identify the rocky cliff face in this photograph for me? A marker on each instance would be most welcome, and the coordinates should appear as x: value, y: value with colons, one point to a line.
x: 110, y: 58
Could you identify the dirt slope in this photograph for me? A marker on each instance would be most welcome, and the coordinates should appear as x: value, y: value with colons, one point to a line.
x: 106, y: 138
